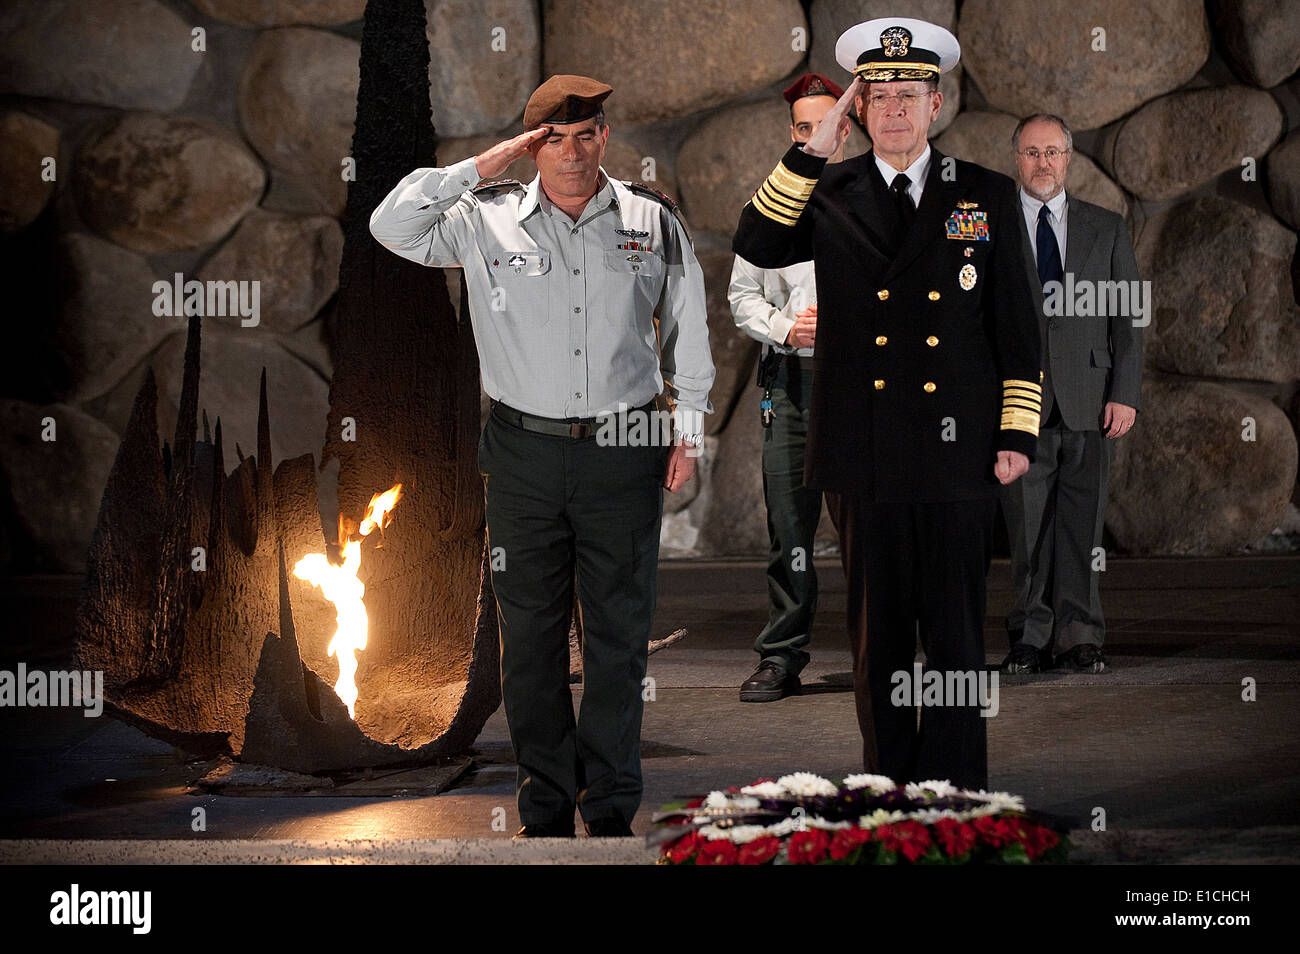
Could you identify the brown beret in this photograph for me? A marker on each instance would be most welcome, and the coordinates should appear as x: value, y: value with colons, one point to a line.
x: 811, y: 84
x: 565, y: 98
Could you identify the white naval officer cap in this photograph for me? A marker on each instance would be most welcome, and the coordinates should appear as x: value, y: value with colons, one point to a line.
x: 897, y: 48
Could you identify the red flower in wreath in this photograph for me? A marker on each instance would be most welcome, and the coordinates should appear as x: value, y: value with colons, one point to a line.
x: 718, y: 851
x: 808, y: 847
x: 956, y: 838
x: 759, y: 851
x: 846, y: 841
x: 683, y: 849
x: 994, y: 831
x: 1039, y: 839
x: 911, y: 838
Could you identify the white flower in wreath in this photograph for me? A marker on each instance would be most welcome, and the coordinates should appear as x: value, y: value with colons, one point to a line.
x: 939, y: 788
x: 816, y: 821
x: 765, y: 790
x: 1004, y: 801
x: 881, y: 816
x: 876, y: 783
x: 807, y: 784
x: 715, y: 800
x: 928, y: 816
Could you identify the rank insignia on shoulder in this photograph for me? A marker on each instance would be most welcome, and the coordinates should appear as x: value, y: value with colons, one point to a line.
x: 644, y: 190
x: 967, y: 226
x: 964, y: 205
x: 495, y: 187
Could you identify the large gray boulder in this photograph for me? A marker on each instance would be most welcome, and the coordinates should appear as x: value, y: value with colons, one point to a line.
x: 25, y: 142
x: 1031, y: 56
x: 295, y: 260
x: 484, y: 62
x: 297, y: 105
x: 1223, y: 305
x: 277, y: 13
x: 673, y: 57
x: 161, y: 183
x: 1207, y: 470
x: 1258, y: 38
x: 1177, y: 142
x: 127, y: 54
x: 54, y: 486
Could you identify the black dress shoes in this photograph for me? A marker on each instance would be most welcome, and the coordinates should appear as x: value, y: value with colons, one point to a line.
x: 608, y: 828
x: 1022, y: 659
x: 547, y: 830
x: 1083, y: 658
x: 769, y: 683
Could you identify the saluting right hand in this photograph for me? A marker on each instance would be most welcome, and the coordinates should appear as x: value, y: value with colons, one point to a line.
x: 492, y: 162
x: 834, y: 125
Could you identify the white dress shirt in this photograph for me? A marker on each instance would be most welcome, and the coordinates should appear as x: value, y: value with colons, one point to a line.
x: 765, y: 301
x: 916, y: 172
x: 1057, y: 211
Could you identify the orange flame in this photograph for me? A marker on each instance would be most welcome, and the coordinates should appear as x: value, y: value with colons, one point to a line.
x: 341, y: 586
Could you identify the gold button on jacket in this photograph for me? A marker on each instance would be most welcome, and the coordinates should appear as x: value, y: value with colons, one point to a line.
x: 881, y: 340
x: 929, y: 387
x: 880, y: 384
x: 932, y: 341
x: 883, y: 294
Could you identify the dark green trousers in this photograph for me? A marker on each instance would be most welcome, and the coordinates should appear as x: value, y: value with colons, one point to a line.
x: 792, y: 515
x: 560, y: 509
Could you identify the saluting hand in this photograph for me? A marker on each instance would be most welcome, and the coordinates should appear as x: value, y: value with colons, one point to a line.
x: 834, y: 126
x: 492, y: 162
x: 1010, y: 466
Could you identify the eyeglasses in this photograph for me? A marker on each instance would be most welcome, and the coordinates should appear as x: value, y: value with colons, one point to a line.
x: 906, y: 100
x: 1051, y: 155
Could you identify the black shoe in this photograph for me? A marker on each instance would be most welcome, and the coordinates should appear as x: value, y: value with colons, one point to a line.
x: 1084, y: 658
x: 608, y: 828
x: 1022, y: 659
x: 769, y: 683
x: 547, y: 830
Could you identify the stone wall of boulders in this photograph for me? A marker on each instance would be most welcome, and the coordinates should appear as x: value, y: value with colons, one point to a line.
x: 145, y: 139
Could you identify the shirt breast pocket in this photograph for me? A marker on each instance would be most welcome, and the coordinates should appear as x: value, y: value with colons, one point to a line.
x: 519, y: 285
x: 638, y: 275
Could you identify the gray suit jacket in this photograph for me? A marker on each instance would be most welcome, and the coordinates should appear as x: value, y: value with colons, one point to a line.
x: 1088, y: 361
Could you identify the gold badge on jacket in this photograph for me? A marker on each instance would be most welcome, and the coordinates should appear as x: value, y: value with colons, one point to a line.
x: 966, y: 277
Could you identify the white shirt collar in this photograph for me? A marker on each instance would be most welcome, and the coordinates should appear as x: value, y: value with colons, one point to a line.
x: 535, y: 197
x: 916, y: 171
x: 1055, y: 205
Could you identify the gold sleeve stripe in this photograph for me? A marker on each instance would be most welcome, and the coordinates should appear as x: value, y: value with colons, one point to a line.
x: 772, y: 213
x: 1030, y: 399
x: 781, y: 201
x: 1016, y: 419
x: 797, y: 185
x: 1028, y: 385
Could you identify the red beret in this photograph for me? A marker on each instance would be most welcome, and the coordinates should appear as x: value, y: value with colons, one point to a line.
x: 811, y: 84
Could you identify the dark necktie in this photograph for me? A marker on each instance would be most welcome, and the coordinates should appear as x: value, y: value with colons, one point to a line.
x: 1049, y: 255
x: 1049, y: 270
x: 903, y: 200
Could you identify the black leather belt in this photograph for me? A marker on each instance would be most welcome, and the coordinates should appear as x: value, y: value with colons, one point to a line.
x: 577, y: 428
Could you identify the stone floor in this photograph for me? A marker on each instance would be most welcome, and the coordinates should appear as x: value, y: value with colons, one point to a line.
x: 1183, y: 768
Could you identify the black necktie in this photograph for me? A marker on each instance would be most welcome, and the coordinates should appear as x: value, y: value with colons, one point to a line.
x: 1049, y: 270
x: 1049, y: 255
x: 903, y: 200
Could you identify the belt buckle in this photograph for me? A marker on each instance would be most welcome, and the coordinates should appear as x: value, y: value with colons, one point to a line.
x: 579, y: 430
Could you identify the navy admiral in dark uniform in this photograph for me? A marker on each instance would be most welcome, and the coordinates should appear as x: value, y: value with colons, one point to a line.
x: 926, y: 393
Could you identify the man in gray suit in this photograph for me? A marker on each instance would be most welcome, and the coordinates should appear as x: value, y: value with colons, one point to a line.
x: 1091, y: 313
